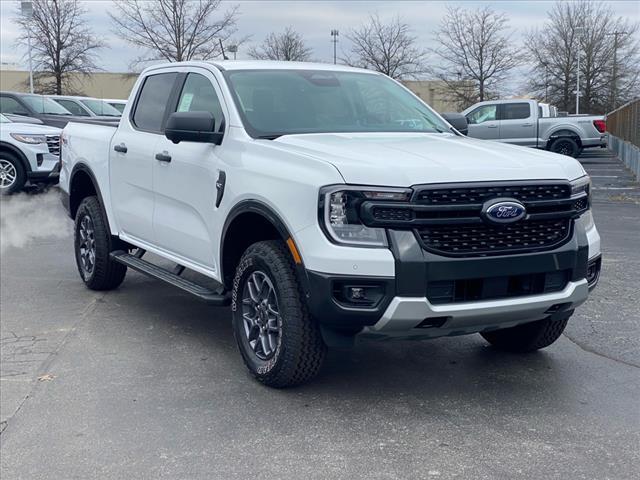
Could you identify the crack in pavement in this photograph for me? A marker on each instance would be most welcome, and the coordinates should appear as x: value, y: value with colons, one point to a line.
x: 595, y: 352
x: 48, y: 362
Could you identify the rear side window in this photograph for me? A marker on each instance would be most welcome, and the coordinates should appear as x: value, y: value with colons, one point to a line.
x: 515, y: 111
x: 198, y: 95
x: 152, y: 102
x: 11, y: 105
x: 73, y: 107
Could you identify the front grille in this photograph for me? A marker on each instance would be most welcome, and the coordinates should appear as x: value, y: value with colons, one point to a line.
x: 493, y: 288
x: 479, y: 194
x: 523, y: 236
x: 448, y: 219
x: 53, y: 143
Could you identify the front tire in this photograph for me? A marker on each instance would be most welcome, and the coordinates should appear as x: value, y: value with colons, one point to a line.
x: 280, y: 342
x: 93, y: 243
x: 12, y: 174
x: 528, y: 337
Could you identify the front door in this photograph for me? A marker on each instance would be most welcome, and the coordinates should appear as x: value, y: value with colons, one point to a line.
x: 483, y: 122
x: 185, y: 219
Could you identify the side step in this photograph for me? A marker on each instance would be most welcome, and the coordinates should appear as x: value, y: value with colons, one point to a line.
x: 160, y: 273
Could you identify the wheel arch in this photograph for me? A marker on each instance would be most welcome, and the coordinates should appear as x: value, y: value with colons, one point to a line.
x: 82, y: 184
x: 564, y: 132
x: 248, y: 222
x: 13, y: 150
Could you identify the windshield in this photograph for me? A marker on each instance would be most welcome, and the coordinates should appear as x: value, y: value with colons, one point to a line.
x: 4, y: 119
x: 118, y: 106
x: 45, y: 105
x: 100, y: 107
x: 281, y: 102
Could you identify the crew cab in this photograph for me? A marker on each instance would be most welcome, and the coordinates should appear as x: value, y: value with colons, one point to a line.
x: 327, y: 203
x: 530, y: 124
x: 28, y: 153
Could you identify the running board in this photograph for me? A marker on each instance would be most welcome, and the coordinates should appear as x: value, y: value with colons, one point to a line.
x: 160, y: 273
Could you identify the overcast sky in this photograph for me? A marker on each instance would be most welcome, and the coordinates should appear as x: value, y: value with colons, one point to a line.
x: 314, y: 19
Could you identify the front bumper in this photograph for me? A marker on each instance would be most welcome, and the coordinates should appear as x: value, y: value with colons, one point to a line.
x: 404, y: 315
x: 401, y: 307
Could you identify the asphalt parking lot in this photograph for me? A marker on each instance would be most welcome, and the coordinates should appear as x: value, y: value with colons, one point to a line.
x: 145, y: 382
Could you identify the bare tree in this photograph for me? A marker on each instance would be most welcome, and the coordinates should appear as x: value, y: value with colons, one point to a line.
x: 609, y: 57
x: 62, y: 44
x: 174, y: 30
x: 475, y: 53
x: 288, y: 45
x: 389, y: 48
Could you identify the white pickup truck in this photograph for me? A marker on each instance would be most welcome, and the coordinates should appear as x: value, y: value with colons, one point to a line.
x: 530, y: 124
x: 327, y: 203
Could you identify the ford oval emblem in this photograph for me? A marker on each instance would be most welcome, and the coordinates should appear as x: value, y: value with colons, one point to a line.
x: 504, y: 211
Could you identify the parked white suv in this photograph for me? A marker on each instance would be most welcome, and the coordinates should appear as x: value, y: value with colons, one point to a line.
x: 28, y: 152
x: 328, y: 203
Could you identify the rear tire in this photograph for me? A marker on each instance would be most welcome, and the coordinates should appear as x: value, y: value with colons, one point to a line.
x: 280, y: 342
x: 565, y: 146
x: 93, y: 243
x: 13, y: 176
x: 528, y: 337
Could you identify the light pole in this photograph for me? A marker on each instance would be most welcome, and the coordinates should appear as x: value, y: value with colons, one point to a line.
x: 334, y: 39
x: 26, y: 9
x: 233, y: 49
x: 578, y: 31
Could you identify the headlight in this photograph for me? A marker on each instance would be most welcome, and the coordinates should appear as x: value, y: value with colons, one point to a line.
x: 31, y: 139
x: 581, y: 191
x: 340, y: 213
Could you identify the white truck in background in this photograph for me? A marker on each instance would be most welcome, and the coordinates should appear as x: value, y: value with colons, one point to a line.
x: 523, y: 122
x: 327, y: 203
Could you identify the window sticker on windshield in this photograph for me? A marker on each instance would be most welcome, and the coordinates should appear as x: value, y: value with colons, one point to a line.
x: 185, y: 103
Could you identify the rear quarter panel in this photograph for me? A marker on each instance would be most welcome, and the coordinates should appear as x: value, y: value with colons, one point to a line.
x: 581, y: 126
x: 89, y: 145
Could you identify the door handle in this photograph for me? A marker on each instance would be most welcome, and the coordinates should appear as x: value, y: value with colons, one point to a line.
x: 163, y: 157
x: 492, y: 126
x: 122, y: 148
x: 527, y: 124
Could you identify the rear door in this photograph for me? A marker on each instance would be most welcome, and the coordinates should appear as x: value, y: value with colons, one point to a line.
x: 132, y: 156
x: 518, y: 124
x: 483, y: 122
x: 186, y: 220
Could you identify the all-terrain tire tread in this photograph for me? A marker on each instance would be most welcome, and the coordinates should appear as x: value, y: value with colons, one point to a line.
x: 108, y: 274
x: 303, y: 350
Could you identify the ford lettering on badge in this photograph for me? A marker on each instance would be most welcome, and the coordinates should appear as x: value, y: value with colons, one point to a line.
x: 507, y: 211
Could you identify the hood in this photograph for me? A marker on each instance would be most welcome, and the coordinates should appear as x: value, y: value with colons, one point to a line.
x: 30, y: 129
x: 404, y: 159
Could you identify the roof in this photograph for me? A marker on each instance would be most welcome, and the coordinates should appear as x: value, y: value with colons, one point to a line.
x: 264, y: 65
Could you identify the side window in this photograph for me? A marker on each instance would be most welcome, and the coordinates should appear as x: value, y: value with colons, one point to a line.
x: 198, y: 95
x: 73, y: 107
x: 485, y: 113
x: 152, y: 101
x: 515, y: 111
x: 12, y: 106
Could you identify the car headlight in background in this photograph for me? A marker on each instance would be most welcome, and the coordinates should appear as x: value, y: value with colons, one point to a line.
x: 340, y: 213
x: 30, y: 139
x: 581, y: 191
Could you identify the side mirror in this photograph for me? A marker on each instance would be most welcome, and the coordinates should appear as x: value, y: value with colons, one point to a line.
x: 192, y: 127
x: 457, y: 121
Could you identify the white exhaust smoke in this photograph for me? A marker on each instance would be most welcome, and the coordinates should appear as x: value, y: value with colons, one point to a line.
x: 26, y: 218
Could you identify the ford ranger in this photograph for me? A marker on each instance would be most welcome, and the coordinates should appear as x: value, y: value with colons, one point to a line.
x: 525, y: 123
x: 327, y: 203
